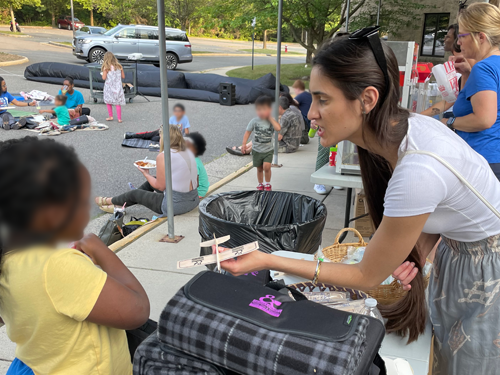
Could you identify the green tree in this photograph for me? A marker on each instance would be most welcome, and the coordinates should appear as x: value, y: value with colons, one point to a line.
x: 97, y: 5
x: 54, y: 7
x: 395, y: 15
x: 182, y: 12
x: 16, y: 4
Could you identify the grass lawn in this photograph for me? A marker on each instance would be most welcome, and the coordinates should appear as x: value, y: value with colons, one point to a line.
x: 8, y: 57
x: 271, y: 51
x: 289, y: 72
x: 11, y: 33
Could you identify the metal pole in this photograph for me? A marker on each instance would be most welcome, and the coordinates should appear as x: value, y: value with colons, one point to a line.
x: 253, y: 40
x: 72, y: 19
x: 165, y: 117
x: 347, y: 16
x: 378, y: 12
x: 277, y: 88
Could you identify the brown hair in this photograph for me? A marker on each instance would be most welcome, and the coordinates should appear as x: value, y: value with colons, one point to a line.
x: 177, y: 141
x: 352, y: 67
x: 298, y: 84
x: 61, y: 98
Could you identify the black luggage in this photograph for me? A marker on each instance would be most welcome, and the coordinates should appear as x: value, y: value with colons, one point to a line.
x: 255, y: 330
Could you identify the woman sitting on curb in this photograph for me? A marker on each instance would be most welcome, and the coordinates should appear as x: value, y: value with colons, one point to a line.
x: 151, y: 193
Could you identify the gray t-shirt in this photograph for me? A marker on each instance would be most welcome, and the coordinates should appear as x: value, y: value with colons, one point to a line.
x: 262, y: 134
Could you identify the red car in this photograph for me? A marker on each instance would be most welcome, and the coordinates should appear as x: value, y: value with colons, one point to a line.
x: 64, y: 22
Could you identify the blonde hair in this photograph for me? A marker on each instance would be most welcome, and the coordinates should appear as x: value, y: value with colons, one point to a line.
x: 110, y: 60
x: 177, y: 141
x: 481, y: 18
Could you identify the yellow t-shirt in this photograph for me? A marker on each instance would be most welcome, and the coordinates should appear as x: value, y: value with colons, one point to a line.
x: 45, y: 297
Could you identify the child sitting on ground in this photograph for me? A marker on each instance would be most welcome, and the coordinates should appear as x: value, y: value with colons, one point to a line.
x: 60, y: 111
x: 67, y: 309
x: 180, y: 119
x: 197, y: 144
x: 263, y: 127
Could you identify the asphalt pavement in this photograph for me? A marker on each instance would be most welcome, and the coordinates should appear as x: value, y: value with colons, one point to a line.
x: 110, y: 165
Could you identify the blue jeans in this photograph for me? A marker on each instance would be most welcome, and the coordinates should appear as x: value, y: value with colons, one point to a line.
x: 19, y: 368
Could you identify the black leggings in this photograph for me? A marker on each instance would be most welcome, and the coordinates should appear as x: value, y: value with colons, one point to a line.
x: 152, y: 136
x: 145, y: 195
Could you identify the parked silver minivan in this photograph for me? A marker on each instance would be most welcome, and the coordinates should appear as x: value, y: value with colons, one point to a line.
x: 124, y: 40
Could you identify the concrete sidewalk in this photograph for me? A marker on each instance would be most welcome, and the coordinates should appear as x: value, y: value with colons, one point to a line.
x: 154, y: 263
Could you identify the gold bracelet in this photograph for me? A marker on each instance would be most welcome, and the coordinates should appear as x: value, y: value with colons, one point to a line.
x: 318, y: 269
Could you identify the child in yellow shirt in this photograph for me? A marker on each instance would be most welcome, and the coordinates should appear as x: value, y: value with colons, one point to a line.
x: 66, y: 315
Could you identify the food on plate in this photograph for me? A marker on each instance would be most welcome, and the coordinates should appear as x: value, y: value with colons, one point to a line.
x: 145, y: 164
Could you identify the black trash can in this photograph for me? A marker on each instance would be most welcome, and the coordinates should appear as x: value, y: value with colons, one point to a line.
x: 278, y: 220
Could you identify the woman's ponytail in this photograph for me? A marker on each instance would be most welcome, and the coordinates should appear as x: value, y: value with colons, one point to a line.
x: 408, y: 315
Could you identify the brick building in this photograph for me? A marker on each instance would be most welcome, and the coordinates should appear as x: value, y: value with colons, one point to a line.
x: 433, y: 25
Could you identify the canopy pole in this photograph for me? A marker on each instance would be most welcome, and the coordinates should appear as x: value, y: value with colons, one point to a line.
x: 347, y: 16
x: 378, y: 12
x: 72, y: 19
x: 277, y: 88
x: 165, y: 117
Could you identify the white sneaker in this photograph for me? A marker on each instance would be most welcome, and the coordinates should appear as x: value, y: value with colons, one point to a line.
x: 338, y: 188
x: 320, y: 189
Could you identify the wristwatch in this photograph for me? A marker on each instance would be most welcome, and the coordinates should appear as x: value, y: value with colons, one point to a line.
x: 450, y: 123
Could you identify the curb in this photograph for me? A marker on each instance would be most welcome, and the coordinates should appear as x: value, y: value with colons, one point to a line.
x: 16, y: 36
x: 33, y: 27
x: 59, y: 45
x: 124, y: 242
x: 243, y: 54
x: 15, y: 62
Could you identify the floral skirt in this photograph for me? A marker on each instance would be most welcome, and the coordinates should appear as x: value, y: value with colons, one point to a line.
x: 465, y: 307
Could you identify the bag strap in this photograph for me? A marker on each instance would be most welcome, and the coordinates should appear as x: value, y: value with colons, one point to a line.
x: 295, y: 293
x: 458, y: 175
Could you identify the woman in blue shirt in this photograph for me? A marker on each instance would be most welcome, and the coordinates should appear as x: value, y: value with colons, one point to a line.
x: 74, y: 97
x: 477, y: 109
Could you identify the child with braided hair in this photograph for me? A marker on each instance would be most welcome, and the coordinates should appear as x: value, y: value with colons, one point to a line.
x: 66, y: 315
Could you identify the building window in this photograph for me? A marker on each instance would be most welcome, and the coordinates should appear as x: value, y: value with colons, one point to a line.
x: 435, y: 29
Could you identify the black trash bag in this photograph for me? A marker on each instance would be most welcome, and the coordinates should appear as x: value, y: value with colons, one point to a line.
x: 278, y: 220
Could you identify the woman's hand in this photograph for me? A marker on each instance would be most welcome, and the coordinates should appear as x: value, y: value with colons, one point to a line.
x: 462, y: 66
x: 254, y: 261
x: 444, y: 121
x: 405, y: 273
x: 313, y: 124
x: 92, y: 246
x: 143, y: 171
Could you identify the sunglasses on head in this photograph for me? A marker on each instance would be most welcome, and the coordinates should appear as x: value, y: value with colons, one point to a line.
x: 371, y: 35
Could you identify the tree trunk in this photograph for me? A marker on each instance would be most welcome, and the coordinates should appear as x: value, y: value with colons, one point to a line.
x: 189, y: 29
x: 13, y: 20
x: 53, y: 14
x: 264, y: 42
x: 309, y: 57
x: 92, y: 17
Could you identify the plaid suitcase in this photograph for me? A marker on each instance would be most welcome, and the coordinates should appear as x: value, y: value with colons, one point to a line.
x: 252, y: 329
x: 155, y: 358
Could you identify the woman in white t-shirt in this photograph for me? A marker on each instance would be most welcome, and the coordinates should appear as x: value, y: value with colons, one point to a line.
x: 413, y: 201
x: 152, y: 192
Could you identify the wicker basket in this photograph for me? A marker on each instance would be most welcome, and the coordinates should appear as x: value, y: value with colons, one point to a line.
x: 384, y: 294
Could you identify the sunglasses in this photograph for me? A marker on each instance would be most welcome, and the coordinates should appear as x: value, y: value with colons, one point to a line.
x: 371, y: 35
x: 460, y: 36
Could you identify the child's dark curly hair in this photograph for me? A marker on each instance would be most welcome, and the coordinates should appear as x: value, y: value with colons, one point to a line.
x: 199, y: 142
x: 35, y: 173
